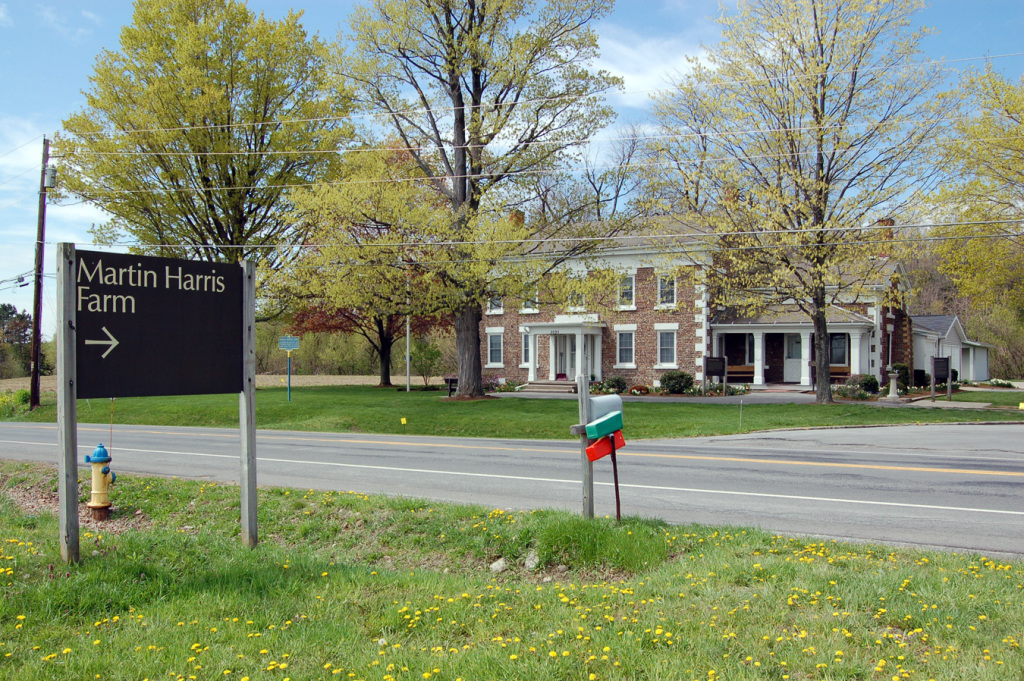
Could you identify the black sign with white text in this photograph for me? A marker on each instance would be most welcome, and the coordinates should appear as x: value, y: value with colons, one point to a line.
x: 156, y: 326
x: 714, y: 366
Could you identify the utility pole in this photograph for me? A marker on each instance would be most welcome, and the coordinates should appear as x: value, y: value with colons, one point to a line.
x: 47, y: 180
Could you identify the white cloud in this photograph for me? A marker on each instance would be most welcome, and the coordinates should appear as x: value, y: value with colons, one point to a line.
x: 59, y: 24
x: 94, y: 18
x: 647, y: 64
x: 5, y: 18
x: 21, y: 149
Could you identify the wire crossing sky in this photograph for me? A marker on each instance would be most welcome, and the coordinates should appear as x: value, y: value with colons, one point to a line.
x: 48, y: 50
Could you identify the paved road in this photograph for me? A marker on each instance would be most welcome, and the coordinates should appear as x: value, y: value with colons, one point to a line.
x: 956, y: 487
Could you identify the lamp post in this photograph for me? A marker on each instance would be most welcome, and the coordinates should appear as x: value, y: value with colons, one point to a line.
x: 47, y: 180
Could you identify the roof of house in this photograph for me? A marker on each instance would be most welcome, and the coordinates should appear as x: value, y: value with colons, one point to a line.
x: 940, y: 323
x: 788, y: 315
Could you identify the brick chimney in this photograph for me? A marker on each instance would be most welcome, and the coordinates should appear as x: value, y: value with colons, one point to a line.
x: 886, y: 234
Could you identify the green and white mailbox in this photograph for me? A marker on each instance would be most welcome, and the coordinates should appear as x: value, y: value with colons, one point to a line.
x: 606, y: 428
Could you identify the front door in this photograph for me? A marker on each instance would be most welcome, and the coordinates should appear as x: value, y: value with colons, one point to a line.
x: 565, y: 357
x: 794, y: 358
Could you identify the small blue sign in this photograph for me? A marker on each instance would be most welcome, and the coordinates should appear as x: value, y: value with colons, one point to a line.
x: 288, y: 343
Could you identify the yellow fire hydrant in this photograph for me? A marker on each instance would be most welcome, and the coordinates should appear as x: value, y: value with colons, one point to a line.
x: 102, y: 479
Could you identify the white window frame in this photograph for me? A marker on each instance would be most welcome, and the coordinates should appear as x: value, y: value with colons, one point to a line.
x: 576, y: 297
x: 622, y: 329
x: 493, y: 308
x: 631, y: 305
x: 525, y: 350
x: 659, y: 331
x: 531, y: 306
x: 499, y: 333
x: 661, y: 290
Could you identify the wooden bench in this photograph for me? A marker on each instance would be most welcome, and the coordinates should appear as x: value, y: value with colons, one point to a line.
x: 839, y: 374
x: 452, y: 383
x: 740, y: 373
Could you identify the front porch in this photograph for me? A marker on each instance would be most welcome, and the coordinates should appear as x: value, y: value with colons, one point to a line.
x: 573, y: 345
x: 783, y: 354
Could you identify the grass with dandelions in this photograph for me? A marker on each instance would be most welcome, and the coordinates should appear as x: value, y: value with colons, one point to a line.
x: 349, y: 586
x: 378, y: 410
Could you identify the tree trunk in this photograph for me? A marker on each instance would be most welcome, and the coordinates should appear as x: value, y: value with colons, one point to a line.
x: 385, y: 341
x: 822, y: 348
x: 467, y: 346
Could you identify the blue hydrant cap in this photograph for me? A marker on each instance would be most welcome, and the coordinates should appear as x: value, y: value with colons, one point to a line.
x: 99, y: 455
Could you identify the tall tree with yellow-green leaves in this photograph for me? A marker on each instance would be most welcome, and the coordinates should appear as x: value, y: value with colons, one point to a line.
x: 807, y: 124
x: 982, y: 200
x: 484, y: 96
x: 197, y: 128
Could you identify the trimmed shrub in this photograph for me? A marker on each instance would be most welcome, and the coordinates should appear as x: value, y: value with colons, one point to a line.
x: 615, y: 383
x: 865, y: 382
x: 851, y: 391
x: 676, y: 382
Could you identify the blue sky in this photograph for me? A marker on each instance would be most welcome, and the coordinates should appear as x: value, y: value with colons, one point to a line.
x: 47, y: 51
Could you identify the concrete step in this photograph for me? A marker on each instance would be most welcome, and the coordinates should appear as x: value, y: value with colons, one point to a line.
x: 548, y: 387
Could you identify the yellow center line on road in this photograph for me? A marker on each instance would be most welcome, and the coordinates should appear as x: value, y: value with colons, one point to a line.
x: 687, y: 457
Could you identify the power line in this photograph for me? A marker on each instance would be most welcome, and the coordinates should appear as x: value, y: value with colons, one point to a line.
x: 668, y: 165
x: 389, y: 149
x: 17, y: 201
x: 518, y: 103
x: 693, y: 250
x: 701, y: 236
x: 15, y: 177
x: 21, y: 146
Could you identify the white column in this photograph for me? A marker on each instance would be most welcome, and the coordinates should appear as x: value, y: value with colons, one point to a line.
x: 805, y: 358
x: 759, y: 358
x: 598, y: 357
x: 532, y: 364
x: 855, y: 351
x: 581, y: 355
x: 552, y: 358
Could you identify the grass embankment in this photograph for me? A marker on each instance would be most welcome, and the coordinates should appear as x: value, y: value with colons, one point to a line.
x: 376, y: 410
x: 346, y: 586
x: 998, y: 398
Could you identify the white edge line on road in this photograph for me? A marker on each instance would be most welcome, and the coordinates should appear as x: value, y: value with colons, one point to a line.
x: 691, y: 490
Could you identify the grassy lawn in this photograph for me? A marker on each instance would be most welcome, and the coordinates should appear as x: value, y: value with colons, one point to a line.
x: 377, y: 410
x: 999, y: 398
x: 348, y: 586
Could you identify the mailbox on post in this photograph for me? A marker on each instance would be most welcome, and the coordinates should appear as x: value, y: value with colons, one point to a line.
x: 606, y: 428
x: 605, y: 419
x: 602, y: 405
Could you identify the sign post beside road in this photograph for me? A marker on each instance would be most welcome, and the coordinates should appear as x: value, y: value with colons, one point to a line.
x: 133, y: 326
x: 288, y: 343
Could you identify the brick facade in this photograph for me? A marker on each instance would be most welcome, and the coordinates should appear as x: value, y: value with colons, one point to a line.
x: 685, y: 318
x: 556, y: 329
x: 902, y: 340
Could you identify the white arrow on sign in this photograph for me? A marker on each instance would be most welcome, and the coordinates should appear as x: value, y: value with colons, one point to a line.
x: 113, y: 342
